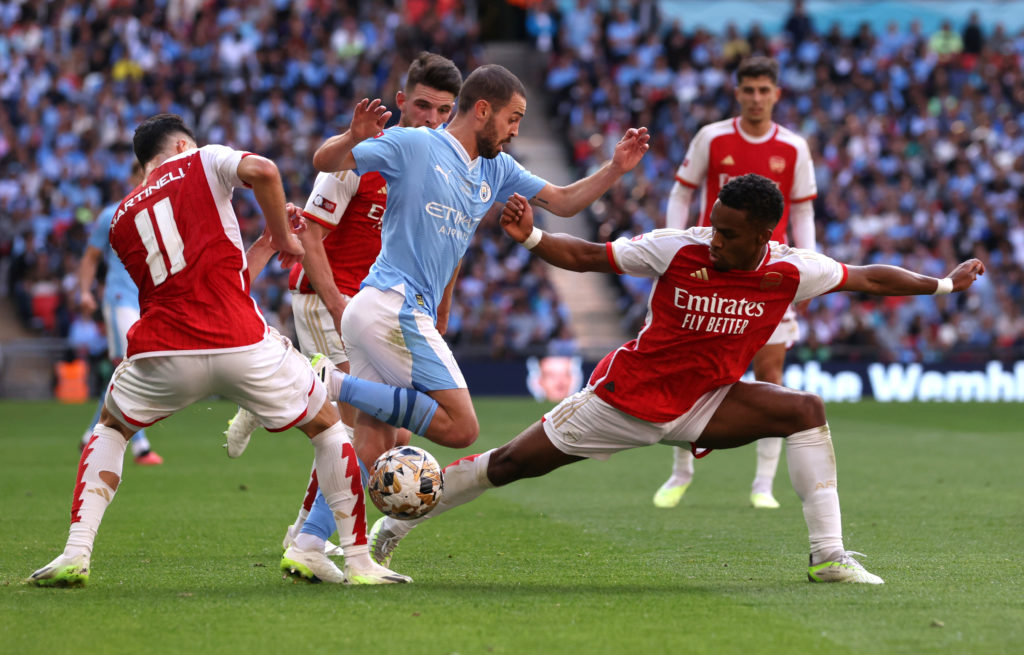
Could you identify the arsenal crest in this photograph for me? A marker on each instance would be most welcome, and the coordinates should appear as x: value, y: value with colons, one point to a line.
x: 771, y: 280
x: 777, y: 164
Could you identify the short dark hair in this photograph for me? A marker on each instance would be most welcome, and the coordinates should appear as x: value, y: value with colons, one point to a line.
x: 756, y: 195
x: 434, y: 71
x: 152, y: 134
x: 758, y: 67
x: 493, y: 83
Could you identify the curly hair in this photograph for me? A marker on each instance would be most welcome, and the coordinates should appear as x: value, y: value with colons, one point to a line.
x: 756, y: 195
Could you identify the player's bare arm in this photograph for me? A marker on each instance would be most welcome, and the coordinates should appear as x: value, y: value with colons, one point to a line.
x: 86, y: 274
x: 561, y: 250
x: 335, y: 154
x: 574, y: 198
x: 445, y: 308
x: 318, y: 270
x: 262, y: 175
x: 882, y: 280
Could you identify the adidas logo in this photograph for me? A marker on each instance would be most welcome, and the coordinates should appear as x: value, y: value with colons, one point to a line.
x: 728, y: 161
x: 702, y: 274
x: 383, y: 190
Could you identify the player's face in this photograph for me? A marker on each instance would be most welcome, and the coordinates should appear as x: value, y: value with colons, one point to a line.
x: 757, y: 96
x: 736, y: 243
x: 424, y: 106
x: 500, y: 127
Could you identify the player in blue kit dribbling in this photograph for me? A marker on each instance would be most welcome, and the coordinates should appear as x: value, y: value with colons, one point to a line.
x: 441, y: 184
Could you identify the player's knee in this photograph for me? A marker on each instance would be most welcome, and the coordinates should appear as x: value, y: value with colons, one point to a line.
x: 809, y: 410
x: 462, y: 435
x: 452, y: 432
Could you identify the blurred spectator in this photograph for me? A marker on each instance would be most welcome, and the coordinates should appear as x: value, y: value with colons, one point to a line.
x: 273, y: 77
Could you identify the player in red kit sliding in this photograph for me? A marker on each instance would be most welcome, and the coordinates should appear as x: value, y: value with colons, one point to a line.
x: 718, y: 295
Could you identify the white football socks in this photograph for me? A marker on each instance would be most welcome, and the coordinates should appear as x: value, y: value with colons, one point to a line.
x: 99, y: 475
x: 464, y: 480
x: 768, y: 451
x: 812, y: 470
x: 337, y: 472
x: 682, y: 467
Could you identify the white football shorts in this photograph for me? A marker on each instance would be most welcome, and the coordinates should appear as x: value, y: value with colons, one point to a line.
x: 271, y: 379
x: 389, y: 341
x: 314, y: 327
x: 787, y: 331
x: 583, y: 425
x: 118, y: 319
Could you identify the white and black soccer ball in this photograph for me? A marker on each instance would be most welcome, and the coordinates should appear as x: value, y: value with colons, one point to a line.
x: 406, y: 482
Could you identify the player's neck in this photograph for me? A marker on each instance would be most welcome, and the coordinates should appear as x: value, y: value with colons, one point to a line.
x: 464, y: 133
x: 757, y: 129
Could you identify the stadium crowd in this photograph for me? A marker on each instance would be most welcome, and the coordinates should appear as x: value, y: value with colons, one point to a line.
x: 275, y: 78
x: 917, y: 143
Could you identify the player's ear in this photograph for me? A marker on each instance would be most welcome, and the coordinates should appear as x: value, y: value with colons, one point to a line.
x: 482, y: 109
x: 400, y: 99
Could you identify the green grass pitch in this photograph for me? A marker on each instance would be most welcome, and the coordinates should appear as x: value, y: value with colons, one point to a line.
x: 576, y: 562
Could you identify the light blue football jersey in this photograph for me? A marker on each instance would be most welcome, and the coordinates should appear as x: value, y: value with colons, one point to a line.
x: 436, y: 198
x: 119, y: 288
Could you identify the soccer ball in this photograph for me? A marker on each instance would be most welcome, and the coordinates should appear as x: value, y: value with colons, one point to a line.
x: 406, y: 482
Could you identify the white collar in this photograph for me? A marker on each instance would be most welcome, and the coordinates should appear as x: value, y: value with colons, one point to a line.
x: 460, y: 150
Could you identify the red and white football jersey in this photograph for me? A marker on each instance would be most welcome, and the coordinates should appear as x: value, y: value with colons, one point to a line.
x: 178, y: 237
x: 355, y: 204
x: 703, y: 325
x: 721, y: 151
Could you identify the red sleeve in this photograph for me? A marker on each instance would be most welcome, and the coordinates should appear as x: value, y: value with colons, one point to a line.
x: 309, y: 217
x: 685, y: 183
x: 611, y: 258
x: 842, y: 282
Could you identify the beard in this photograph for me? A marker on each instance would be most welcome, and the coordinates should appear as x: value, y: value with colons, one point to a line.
x: 487, y: 143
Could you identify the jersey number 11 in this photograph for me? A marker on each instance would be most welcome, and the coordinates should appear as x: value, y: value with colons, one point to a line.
x: 171, y: 241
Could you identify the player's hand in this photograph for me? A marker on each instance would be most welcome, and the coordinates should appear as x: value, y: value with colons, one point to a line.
x: 965, y: 274
x: 368, y: 119
x: 290, y: 251
x: 517, y: 218
x: 295, y: 219
x: 87, y: 303
x: 631, y: 148
x: 337, y: 311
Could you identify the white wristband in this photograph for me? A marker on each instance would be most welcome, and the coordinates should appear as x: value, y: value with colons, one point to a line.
x: 945, y: 286
x: 534, y: 238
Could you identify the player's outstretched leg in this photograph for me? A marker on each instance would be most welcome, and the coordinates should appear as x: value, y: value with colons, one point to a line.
x: 812, y: 470
x: 99, y: 475
x: 464, y: 480
x: 339, y: 479
x: 768, y: 451
x: 670, y: 493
